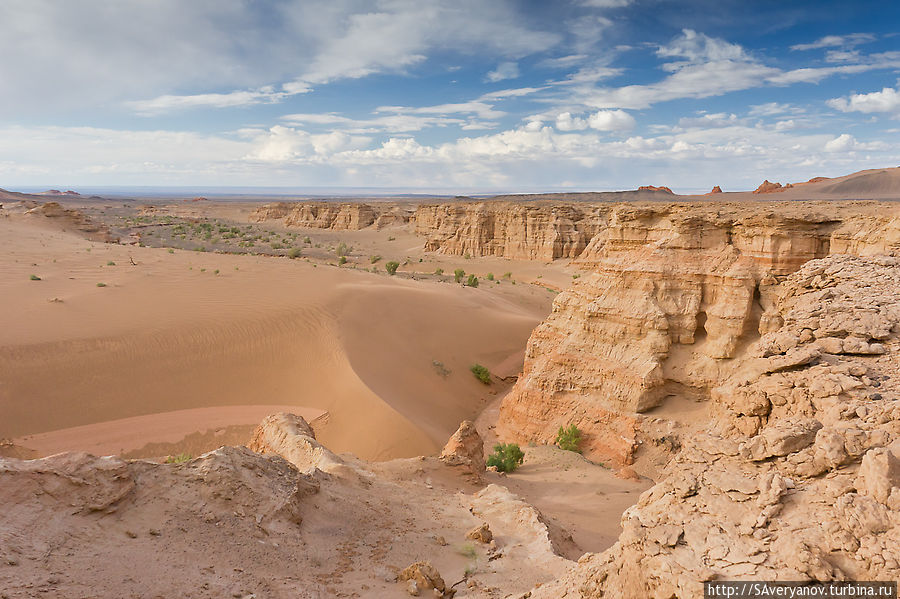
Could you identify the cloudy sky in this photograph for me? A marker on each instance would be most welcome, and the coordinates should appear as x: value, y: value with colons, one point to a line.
x: 441, y: 95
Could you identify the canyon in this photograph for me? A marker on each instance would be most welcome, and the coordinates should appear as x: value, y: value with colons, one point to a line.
x: 733, y: 361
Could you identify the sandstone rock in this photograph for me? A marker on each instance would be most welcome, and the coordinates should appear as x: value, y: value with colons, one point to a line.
x: 782, y: 439
x: 334, y: 216
x: 290, y: 437
x: 879, y: 474
x: 423, y: 576
x: 767, y: 187
x: 715, y: 190
x: 481, y: 533
x: 465, y: 448
x: 652, y: 188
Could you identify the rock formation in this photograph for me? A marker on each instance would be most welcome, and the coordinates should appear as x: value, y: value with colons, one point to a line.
x: 653, y: 188
x: 797, y: 475
x: 290, y: 437
x: 69, y: 218
x: 332, y: 215
x: 715, y: 190
x: 465, y: 448
x: 769, y: 187
x: 676, y: 294
x: 518, y: 231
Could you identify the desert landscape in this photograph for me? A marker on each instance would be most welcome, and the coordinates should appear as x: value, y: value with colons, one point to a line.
x: 293, y: 380
x: 378, y: 299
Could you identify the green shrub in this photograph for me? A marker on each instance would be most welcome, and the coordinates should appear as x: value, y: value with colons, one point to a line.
x: 391, y: 238
x: 439, y: 271
x: 181, y: 458
x: 110, y: 263
x: 294, y: 253
x: 101, y: 284
x: 568, y: 438
x: 507, y: 275
x: 342, y: 249
x: 506, y: 457
x: 307, y: 240
x: 489, y: 276
x: 458, y: 274
x: 481, y: 373
x: 391, y: 267
x: 342, y: 260
x: 34, y: 278
x: 472, y: 281
x: 374, y: 259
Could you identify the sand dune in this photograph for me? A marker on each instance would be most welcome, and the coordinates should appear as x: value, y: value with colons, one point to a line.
x: 190, y: 330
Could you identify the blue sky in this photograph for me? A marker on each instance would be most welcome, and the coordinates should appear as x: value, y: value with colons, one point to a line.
x: 444, y: 96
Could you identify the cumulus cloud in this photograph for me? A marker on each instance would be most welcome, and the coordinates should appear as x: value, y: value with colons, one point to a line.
x: 887, y: 100
x: 611, y: 120
x: 504, y: 70
x: 841, y: 143
x: 698, y: 47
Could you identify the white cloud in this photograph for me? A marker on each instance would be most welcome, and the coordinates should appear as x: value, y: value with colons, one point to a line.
x: 706, y: 121
x: 831, y: 41
x: 606, y: 3
x: 504, y: 70
x: 698, y: 47
x: 887, y: 100
x: 611, y: 120
x: 841, y: 143
x: 168, y: 103
x: 480, y: 109
x: 565, y: 122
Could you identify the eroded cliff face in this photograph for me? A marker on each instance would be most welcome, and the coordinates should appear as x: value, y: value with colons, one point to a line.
x: 335, y: 216
x: 511, y: 230
x: 675, y: 294
x: 797, y: 475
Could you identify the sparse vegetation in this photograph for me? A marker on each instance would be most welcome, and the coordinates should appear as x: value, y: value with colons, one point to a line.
x: 458, y: 274
x: 391, y: 238
x: 575, y: 276
x: 294, y: 253
x: 568, y: 438
x: 392, y: 267
x: 489, y: 276
x: 342, y: 260
x: 342, y: 249
x: 374, y: 259
x: 439, y: 271
x: 34, y: 278
x: 101, y: 284
x: 506, y: 457
x: 481, y: 373
x: 468, y: 550
x: 110, y: 263
x: 181, y: 458
x: 472, y: 281
x: 440, y: 368
x: 507, y: 275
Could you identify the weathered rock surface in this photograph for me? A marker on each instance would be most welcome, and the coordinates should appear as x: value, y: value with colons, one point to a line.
x: 332, y: 215
x: 465, y: 448
x: 715, y: 190
x: 676, y: 294
x: 512, y: 230
x: 290, y: 437
x: 69, y: 218
x: 799, y: 479
x: 769, y: 187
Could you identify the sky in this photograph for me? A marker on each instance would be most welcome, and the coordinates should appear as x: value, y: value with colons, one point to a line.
x: 446, y: 96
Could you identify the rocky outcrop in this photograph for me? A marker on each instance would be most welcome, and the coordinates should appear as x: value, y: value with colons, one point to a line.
x: 289, y: 436
x: 769, y: 187
x: 797, y: 476
x: 653, y: 188
x: 69, y: 218
x: 332, y: 215
x: 465, y: 448
x: 715, y: 190
x: 512, y: 230
x: 676, y: 294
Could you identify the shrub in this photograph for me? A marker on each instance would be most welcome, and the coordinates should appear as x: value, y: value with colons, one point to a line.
x: 507, y: 275
x: 575, y: 276
x: 181, y: 458
x: 391, y: 267
x: 294, y: 253
x: 472, y: 281
x: 489, y: 276
x: 110, y: 263
x: 481, y: 373
x: 439, y: 271
x: 307, y: 240
x: 374, y: 259
x: 101, y: 284
x: 568, y: 438
x: 506, y: 457
x: 458, y: 274
x: 391, y: 238
x: 342, y: 260
x: 342, y: 249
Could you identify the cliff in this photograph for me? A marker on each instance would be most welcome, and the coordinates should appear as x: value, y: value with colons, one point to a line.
x: 673, y: 296
x: 797, y: 475
x: 331, y: 215
x: 512, y: 230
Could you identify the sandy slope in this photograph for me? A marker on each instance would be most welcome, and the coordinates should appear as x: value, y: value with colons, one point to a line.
x: 169, y: 333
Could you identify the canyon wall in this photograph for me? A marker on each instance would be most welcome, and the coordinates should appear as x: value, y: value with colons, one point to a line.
x: 332, y: 215
x: 511, y: 230
x: 797, y: 475
x: 673, y: 295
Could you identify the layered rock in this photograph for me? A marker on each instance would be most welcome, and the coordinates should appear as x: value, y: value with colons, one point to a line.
x: 290, y: 437
x: 465, y: 448
x: 769, y: 187
x: 511, y: 230
x: 332, y: 215
x: 715, y: 190
x: 663, y: 188
x: 676, y: 293
x: 797, y: 476
x: 69, y: 218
